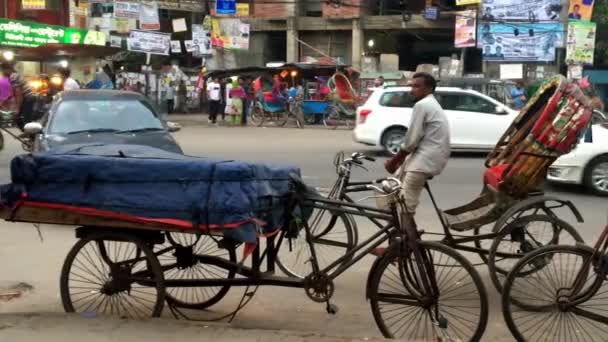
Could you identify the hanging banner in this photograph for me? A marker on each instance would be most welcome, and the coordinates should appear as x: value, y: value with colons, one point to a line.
x: 467, y: 2
x: 126, y: 9
x: 466, y: 23
x: 176, y: 46
x: 225, y: 7
x: 148, y: 16
x: 522, y: 10
x: 580, y: 10
x: 155, y: 43
x: 125, y: 25
x: 33, y: 4
x: 29, y: 34
x: 581, y: 42
x: 229, y: 34
x: 201, y: 38
x: 520, y: 42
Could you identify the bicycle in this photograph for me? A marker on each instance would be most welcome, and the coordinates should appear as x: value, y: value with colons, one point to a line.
x: 559, y: 293
x: 336, y: 113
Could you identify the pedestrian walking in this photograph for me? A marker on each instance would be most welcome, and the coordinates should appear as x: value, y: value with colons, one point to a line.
x: 243, y: 82
x: 6, y: 92
x: 170, y: 97
x: 182, y: 97
x: 214, y: 94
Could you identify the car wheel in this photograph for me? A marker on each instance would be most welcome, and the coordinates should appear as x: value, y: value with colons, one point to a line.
x: 596, y: 176
x: 392, y: 140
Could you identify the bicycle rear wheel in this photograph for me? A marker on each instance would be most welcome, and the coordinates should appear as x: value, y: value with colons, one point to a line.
x: 459, y: 313
x: 281, y: 118
x: 331, y: 119
x: 535, y: 299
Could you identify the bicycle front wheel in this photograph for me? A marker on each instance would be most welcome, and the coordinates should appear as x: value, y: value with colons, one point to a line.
x: 402, y: 309
x: 257, y: 115
x: 536, y: 296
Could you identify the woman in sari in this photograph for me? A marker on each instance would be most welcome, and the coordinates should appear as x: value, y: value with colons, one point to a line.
x: 237, y: 94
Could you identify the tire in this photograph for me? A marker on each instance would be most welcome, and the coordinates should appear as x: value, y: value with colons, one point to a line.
x: 532, y: 300
x: 596, y: 176
x: 424, y: 328
x: 527, y: 239
x: 331, y: 118
x: 392, y: 140
x: 195, y: 297
x: 100, y: 277
x: 257, y: 115
x: 326, y: 234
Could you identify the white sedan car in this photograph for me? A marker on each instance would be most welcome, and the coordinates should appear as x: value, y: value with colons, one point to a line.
x: 587, y: 164
x: 477, y: 121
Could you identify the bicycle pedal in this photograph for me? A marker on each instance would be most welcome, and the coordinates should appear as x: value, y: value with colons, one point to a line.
x: 332, y: 309
x: 442, y: 323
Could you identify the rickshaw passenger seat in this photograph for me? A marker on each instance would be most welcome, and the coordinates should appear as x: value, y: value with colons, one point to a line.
x: 493, y: 176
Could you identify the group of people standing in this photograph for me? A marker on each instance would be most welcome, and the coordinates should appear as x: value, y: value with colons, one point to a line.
x: 232, y: 97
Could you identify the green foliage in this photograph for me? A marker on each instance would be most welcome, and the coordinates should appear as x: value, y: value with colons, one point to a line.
x: 600, y: 16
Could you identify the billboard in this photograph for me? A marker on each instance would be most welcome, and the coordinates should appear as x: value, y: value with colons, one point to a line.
x: 580, y: 10
x: 521, y: 10
x: 520, y: 42
x: 580, y: 42
x: 464, y: 34
x: 30, y: 34
x: 229, y: 34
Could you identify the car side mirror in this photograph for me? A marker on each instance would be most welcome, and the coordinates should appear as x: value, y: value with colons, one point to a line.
x: 173, y: 127
x: 32, y: 128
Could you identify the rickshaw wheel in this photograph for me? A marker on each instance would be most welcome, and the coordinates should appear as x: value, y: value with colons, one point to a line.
x: 184, y: 264
x: 257, y: 115
x: 113, y: 273
x: 331, y: 119
x: 281, y: 118
x: 519, y: 237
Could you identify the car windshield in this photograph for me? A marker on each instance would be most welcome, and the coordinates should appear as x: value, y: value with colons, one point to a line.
x: 74, y: 116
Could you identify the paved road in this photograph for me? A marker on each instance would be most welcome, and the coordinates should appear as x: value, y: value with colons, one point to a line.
x: 25, y: 258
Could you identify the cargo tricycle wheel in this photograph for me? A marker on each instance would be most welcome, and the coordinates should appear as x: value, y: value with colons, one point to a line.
x: 112, y: 273
x: 181, y: 262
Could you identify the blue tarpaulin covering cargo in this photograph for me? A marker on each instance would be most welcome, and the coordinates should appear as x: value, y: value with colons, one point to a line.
x: 240, y: 198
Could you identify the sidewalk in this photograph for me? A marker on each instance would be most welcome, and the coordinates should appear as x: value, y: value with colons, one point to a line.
x: 55, y: 327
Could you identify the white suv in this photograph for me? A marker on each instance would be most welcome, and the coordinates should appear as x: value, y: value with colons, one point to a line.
x: 476, y: 121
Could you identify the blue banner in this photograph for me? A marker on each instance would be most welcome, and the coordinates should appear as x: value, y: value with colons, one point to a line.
x: 520, y: 42
x: 227, y: 7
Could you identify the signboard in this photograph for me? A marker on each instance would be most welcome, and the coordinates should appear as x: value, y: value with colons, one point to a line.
x: 431, y: 13
x: 464, y: 34
x: 201, y: 39
x: 33, y: 4
x: 580, y: 42
x: 155, y: 43
x: 467, y: 2
x: 242, y: 10
x: 126, y: 9
x: 580, y: 10
x: 225, y: 7
x: 525, y: 42
x: 229, y: 34
x: 29, y: 34
x: 528, y: 10
x: 148, y: 16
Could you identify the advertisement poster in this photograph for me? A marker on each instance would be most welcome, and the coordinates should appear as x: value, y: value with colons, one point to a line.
x: 176, y: 46
x: 125, y: 25
x: 30, y: 34
x: 179, y: 25
x: 521, y: 42
x: 116, y: 41
x: 520, y: 10
x: 580, y: 42
x: 580, y: 9
x: 155, y: 43
x: 148, y: 16
x: 126, y: 9
x: 33, y: 4
x: 242, y: 10
x: 201, y: 38
x: 466, y: 23
x: 189, y: 46
x: 467, y: 2
x: 229, y: 34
